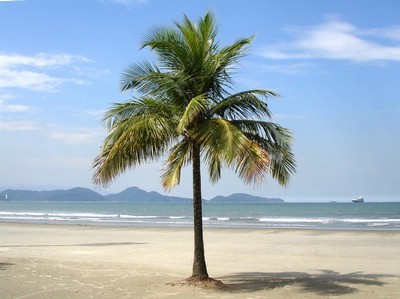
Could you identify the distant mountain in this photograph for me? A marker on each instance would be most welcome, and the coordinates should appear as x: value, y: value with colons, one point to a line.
x: 133, y: 195
x: 244, y: 198
x: 137, y: 195
x: 74, y: 194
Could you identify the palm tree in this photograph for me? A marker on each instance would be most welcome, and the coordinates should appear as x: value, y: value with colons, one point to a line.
x: 185, y: 109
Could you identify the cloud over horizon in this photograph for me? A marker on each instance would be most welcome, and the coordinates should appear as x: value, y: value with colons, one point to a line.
x: 33, y: 72
x: 338, y: 40
x: 63, y: 134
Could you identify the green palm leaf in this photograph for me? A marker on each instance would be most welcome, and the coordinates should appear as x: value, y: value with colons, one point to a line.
x: 180, y: 156
x: 246, y: 104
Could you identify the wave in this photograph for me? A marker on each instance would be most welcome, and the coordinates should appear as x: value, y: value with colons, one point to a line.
x: 327, y: 220
x: 183, y: 220
x: 136, y: 217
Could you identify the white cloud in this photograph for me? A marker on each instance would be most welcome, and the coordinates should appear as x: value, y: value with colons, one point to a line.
x: 391, y: 33
x: 90, y: 71
x: 32, y: 72
x: 7, y: 96
x: 39, y: 60
x: 28, y: 80
x: 98, y: 114
x: 12, y: 108
x: 338, y: 40
x: 79, y: 136
x: 68, y: 135
x: 13, y: 125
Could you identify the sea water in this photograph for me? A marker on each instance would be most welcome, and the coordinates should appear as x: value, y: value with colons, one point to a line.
x: 343, y: 216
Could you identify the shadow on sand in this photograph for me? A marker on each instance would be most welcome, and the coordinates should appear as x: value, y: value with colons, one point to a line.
x: 73, y: 245
x: 3, y: 266
x: 325, y: 283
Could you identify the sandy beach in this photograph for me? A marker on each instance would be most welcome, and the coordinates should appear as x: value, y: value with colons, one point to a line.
x: 55, y: 261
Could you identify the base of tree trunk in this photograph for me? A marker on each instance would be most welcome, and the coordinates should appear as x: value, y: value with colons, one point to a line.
x: 198, y: 281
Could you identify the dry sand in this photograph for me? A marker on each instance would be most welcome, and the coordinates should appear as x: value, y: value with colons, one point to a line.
x: 54, y: 261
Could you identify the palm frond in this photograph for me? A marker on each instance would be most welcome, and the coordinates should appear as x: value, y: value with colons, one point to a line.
x: 136, y: 107
x: 214, y: 166
x: 244, y: 104
x: 151, y: 81
x: 169, y: 46
x: 284, y: 166
x: 276, y: 141
x: 230, y: 55
x: 134, y: 76
x: 254, y: 165
x: 220, y: 66
x: 196, y: 107
x: 220, y: 141
x: 270, y: 131
x: 139, y: 132
x: 179, y: 156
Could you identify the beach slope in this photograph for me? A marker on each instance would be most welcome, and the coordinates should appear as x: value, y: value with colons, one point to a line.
x: 54, y: 261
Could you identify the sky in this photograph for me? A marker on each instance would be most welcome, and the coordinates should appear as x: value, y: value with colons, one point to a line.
x: 336, y: 65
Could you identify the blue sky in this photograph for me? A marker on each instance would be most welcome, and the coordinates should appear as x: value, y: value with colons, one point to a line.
x: 335, y: 63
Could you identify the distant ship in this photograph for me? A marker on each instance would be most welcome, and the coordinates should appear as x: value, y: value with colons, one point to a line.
x: 358, y: 199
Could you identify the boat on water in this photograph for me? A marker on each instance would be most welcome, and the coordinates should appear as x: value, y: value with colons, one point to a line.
x: 358, y: 199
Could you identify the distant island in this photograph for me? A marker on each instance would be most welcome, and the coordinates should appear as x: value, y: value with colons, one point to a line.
x: 129, y: 195
x: 244, y: 198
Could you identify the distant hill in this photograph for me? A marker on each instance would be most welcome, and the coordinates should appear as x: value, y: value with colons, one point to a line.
x: 133, y: 195
x: 244, y: 198
x: 137, y: 195
x: 74, y: 194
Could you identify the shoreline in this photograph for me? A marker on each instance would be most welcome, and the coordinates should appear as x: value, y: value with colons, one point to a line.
x: 59, y: 261
x: 205, y: 226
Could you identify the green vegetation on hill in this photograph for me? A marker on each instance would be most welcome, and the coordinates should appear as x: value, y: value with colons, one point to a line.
x: 132, y: 194
x: 243, y: 198
x: 74, y: 194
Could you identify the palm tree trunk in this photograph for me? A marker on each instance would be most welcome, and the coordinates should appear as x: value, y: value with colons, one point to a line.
x: 199, y: 262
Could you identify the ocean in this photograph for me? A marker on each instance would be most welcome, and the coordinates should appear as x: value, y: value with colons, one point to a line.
x: 341, y: 216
